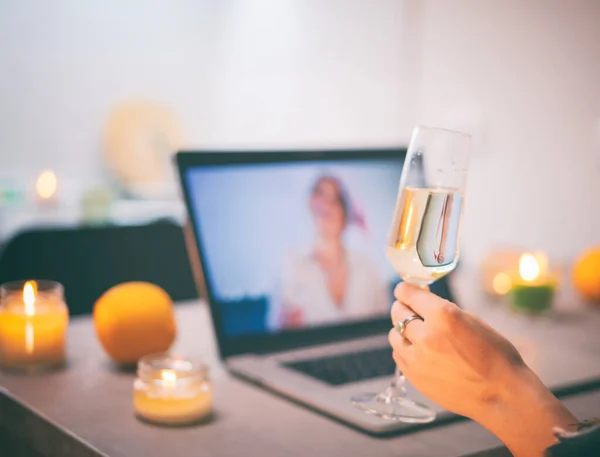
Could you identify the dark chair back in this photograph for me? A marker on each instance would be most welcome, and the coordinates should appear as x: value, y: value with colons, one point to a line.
x: 90, y: 260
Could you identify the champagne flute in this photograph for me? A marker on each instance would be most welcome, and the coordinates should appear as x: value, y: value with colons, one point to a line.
x: 423, y: 244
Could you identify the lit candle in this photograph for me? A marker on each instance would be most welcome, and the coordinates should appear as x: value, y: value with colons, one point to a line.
x: 46, y: 186
x: 498, y: 271
x: 171, y: 390
x: 33, y: 324
x: 534, y: 290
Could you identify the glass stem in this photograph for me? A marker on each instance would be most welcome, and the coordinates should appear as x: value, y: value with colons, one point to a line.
x: 397, y: 388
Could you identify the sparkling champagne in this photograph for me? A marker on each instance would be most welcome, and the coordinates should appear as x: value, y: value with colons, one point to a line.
x: 423, y: 242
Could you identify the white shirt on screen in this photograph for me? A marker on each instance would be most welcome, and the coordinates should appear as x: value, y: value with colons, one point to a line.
x: 304, y: 286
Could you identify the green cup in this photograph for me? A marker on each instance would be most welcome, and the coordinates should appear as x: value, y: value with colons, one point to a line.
x: 531, y: 299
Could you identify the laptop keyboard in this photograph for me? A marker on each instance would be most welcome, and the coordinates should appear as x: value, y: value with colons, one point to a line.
x: 348, y: 367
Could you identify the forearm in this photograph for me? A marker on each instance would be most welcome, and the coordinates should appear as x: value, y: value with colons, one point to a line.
x: 524, y: 416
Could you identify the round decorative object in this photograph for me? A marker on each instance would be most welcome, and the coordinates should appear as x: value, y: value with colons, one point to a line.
x: 140, y: 140
x: 134, y: 319
x: 586, y: 274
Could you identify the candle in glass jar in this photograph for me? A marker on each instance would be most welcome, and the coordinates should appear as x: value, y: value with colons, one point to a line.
x: 498, y: 271
x: 171, y: 390
x: 33, y: 324
x: 533, y: 292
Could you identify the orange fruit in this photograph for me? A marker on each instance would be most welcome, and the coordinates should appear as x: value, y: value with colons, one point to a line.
x: 134, y: 319
x: 586, y: 274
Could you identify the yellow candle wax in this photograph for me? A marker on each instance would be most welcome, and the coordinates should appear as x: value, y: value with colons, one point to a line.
x: 172, y: 391
x: 172, y: 408
x: 33, y: 325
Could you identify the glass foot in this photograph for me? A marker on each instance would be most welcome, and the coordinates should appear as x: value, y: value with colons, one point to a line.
x: 394, y: 408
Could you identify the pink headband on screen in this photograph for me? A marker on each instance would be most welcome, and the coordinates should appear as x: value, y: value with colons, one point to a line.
x: 356, y: 216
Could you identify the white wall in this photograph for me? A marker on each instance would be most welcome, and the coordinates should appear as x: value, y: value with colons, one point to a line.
x: 66, y: 64
x: 299, y: 72
x: 529, y: 71
x: 329, y: 72
x: 312, y: 72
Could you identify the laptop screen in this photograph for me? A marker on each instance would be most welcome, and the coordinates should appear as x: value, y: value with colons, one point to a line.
x: 295, y: 245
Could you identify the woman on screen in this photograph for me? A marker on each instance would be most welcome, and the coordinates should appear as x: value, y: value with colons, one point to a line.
x: 329, y: 283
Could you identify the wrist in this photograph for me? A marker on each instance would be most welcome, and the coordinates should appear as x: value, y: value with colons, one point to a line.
x: 524, y: 414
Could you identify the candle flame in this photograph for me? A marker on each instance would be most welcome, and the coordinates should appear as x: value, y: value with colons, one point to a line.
x: 169, y: 377
x: 29, y: 294
x: 46, y: 184
x: 529, y: 268
x: 502, y: 283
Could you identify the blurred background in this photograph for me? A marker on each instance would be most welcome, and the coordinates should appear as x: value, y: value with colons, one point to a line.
x: 96, y: 95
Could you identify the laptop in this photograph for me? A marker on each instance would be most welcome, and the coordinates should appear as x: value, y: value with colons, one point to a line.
x: 292, y: 251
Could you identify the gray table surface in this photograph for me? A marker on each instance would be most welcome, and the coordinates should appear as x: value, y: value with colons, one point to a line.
x: 86, y: 409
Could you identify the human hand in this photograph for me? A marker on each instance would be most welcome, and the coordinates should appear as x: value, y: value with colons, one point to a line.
x: 465, y: 366
x: 451, y: 356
